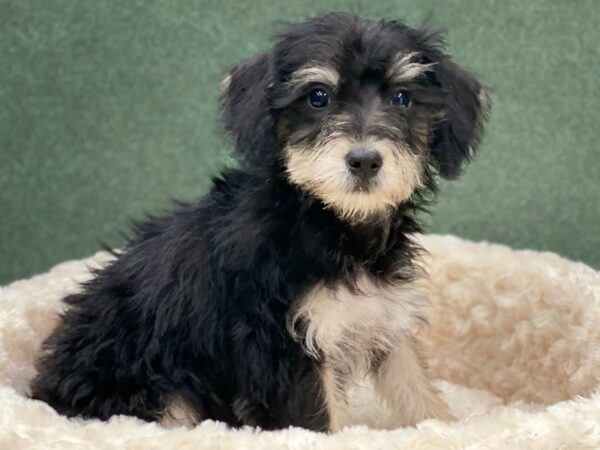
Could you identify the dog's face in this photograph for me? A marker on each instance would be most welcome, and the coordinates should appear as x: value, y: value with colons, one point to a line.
x: 356, y: 113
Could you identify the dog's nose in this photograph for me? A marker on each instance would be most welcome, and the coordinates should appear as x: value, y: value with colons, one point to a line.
x: 363, y: 163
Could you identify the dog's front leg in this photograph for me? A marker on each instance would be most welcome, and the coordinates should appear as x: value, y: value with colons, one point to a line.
x: 334, y: 384
x: 277, y: 385
x: 402, y: 384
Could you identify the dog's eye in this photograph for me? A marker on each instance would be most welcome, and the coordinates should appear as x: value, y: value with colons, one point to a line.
x: 401, y: 98
x: 318, y: 98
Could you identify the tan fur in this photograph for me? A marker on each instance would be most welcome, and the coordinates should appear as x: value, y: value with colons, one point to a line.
x: 315, y: 74
x: 346, y: 327
x: 405, y: 69
x: 404, y: 387
x: 335, y: 397
x: 322, y: 171
x: 224, y: 83
x: 178, y: 414
x: 485, y: 102
x: 375, y: 316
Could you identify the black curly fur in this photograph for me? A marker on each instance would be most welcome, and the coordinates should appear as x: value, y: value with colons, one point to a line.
x: 195, y: 306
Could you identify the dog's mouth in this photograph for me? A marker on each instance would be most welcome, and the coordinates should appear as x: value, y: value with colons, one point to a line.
x: 363, y: 187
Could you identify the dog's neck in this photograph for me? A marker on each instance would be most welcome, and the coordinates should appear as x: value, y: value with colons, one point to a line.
x: 371, y: 236
x: 379, y: 244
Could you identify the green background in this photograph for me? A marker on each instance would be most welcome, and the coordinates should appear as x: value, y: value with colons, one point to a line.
x: 109, y: 109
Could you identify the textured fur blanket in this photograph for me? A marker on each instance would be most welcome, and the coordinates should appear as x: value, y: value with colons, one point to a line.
x: 514, y: 339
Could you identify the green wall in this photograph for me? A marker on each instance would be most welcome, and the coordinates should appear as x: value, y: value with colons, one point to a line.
x: 108, y: 110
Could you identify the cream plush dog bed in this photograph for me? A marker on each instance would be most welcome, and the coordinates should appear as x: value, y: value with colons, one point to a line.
x: 514, y: 340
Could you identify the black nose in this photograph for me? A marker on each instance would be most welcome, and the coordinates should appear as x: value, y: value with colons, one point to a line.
x: 363, y: 163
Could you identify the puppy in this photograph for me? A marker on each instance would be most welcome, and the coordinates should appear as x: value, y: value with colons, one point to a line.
x: 263, y: 302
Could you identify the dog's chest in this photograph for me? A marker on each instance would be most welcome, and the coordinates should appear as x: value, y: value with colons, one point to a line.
x: 340, y: 323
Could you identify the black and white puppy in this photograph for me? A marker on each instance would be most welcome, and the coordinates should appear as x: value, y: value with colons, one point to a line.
x: 262, y: 303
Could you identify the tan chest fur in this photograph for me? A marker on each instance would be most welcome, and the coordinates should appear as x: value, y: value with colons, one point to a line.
x: 347, y: 326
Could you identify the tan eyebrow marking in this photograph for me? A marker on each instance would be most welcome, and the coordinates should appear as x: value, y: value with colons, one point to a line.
x: 406, y: 68
x: 315, y: 74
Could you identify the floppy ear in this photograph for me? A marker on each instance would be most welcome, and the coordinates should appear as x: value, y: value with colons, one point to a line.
x: 466, y: 109
x: 245, y: 108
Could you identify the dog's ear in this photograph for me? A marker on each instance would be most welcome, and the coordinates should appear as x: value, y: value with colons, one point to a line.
x: 245, y: 107
x: 466, y: 108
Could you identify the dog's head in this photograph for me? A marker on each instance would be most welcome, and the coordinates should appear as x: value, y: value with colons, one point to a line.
x: 355, y: 112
